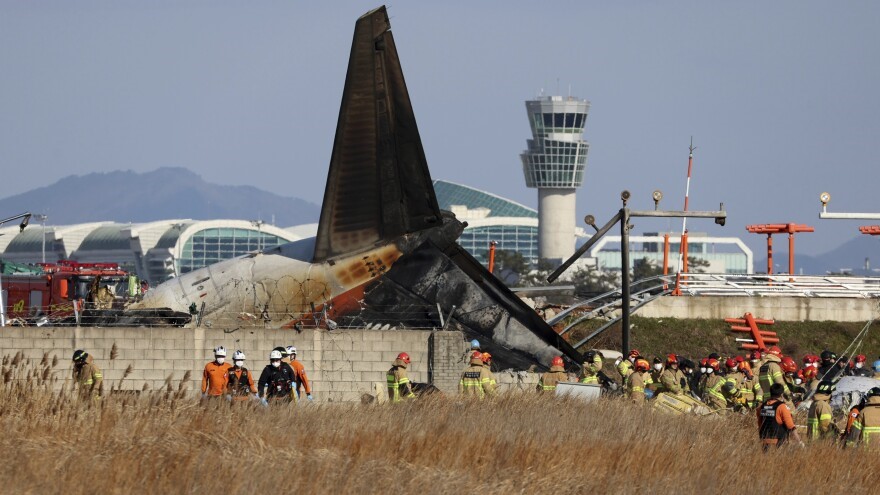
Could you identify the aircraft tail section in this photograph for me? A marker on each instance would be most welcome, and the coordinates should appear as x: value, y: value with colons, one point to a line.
x: 378, y: 186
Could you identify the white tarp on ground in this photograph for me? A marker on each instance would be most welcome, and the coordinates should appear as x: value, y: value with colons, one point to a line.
x: 583, y: 391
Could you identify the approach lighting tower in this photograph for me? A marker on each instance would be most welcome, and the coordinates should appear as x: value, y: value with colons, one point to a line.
x: 554, y: 163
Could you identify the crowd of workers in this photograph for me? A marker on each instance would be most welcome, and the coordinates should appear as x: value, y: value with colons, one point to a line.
x: 768, y: 383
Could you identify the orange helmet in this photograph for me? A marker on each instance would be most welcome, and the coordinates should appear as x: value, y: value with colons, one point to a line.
x: 775, y: 350
x: 730, y: 364
x: 671, y: 359
x: 557, y: 361
x: 486, y: 357
x: 642, y: 365
x: 403, y: 357
x: 713, y: 363
x: 788, y: 365
x: 704, y: 362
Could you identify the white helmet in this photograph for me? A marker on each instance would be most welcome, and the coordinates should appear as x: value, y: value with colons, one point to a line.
x: 220, y: 351
x: 274, y: 355
x: 238, y: 356
x: 291, y: 350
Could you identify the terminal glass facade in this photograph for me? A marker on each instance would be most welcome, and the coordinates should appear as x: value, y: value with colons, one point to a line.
x: 519, y: 238
x: 212, y: 245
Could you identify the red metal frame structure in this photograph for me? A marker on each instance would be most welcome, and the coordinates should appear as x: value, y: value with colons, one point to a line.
x: 492, y: 245
x: 760, y: 338
x: 779, y: 228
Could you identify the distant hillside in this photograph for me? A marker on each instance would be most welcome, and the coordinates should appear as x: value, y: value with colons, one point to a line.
x: 849, y: 256
x: 126, y: 196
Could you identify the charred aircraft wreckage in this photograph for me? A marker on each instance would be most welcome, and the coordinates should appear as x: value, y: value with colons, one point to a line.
x: 384, y: 253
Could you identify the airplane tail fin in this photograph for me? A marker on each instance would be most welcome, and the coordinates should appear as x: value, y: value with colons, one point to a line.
x: 378, y: 186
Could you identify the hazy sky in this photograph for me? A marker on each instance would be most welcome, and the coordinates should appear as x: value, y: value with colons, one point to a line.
x: 782, y: 98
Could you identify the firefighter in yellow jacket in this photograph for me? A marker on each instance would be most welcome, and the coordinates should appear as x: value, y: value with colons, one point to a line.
x: 673, y: 379
x: 638, y: 380
x: 713, y: 395
x: 592, y: 367
x: 819, y: 425
x: 87, y: 377
x: 399, y: 386
x: 477, y: 380
x: 770, y: 372
x: 548, y: 381
x: 866, y: 428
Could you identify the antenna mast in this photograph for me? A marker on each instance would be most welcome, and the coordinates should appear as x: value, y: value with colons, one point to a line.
x: 682, y: 252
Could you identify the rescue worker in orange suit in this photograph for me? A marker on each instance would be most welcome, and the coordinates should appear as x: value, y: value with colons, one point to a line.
x: 592, y: 367
x: 775, y: 425
x: 713, y: 395
x: 399, y: 386
x: 819, y: 424
x: 240, y: 381
x: 301, y: 381
x: 638, y: 381
x: 865, y: 429
x: 477, y: 381
x: 87, y: 377
x: 215, y: 375
x: 771, y: 372
x: 859, y: 368
x: 276, y: 381
x: 673, y: 379
x: 548, y: 380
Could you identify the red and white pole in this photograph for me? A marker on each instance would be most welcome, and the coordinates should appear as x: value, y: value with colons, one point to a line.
x: 682, y: 252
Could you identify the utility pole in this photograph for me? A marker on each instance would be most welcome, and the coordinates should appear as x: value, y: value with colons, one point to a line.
x: 42, y: 219
x: 623, y: 216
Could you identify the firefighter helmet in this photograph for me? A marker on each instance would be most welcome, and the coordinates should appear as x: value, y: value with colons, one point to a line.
x: 220, y: 352
x: 238, y: 356
x: 275, y: 354
x: 755, y: 356
x: 809, y: 373
x: 291, y: 350
x: 634, y: 353
x: 486, y: 357
x: 825, y: 387
x: 557, y: 361
x: 477, y: 355
x: 861, y: 358
x: 874, y: 392
x: 282, y: 350
x: 730, y: 364
x: 713, y: 363
x: 475, y: 344
x: 828, y: 356
x: 788, y: 365
x: 775, y: 350
x: 671, y: 359
x: 642, y: 365
x: 80, y: 355
x: 403, y: 357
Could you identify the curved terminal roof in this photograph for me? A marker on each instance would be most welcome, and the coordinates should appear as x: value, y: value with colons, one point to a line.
x: 106, y: 238
x: 450, y: 194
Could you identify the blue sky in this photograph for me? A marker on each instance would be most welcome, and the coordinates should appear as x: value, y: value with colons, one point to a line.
x: 781, y: 97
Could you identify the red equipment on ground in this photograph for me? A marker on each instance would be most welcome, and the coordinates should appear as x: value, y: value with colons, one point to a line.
x: 761, y: 339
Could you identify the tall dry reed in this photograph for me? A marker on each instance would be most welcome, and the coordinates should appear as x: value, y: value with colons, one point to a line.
x: 166, y: 442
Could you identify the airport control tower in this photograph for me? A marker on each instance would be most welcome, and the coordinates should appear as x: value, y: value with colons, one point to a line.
x: 554, y: 163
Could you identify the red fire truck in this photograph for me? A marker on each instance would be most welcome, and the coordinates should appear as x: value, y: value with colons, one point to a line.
x: 51, y: 289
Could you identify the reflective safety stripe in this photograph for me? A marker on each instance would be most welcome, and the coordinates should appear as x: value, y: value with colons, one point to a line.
x: 548, y: 387
x: 590, y: 379
x: 638, y: 389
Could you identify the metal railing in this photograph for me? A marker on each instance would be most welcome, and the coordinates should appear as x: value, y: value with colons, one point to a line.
x: 710, y: 284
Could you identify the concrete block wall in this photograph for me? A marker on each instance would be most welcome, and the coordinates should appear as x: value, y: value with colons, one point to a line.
x: 778, y: 308
x: 446, y: 350
x: 342, y: 365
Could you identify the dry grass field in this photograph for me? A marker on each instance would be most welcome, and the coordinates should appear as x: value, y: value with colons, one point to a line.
x: 166, y: 442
